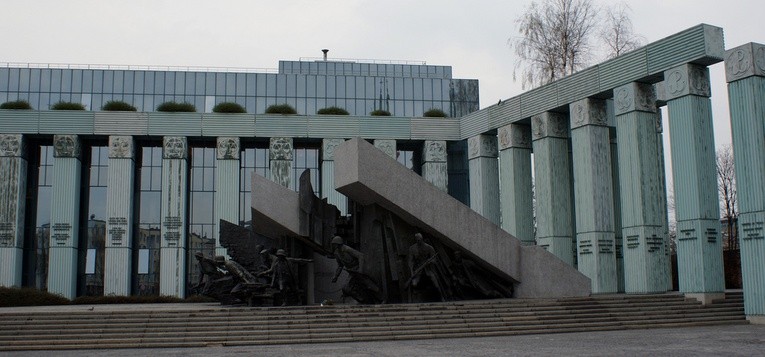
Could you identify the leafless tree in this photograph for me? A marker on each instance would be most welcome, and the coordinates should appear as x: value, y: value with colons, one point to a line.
x: 726, y: 185
x: 554, y: 39
x: 617, y: 33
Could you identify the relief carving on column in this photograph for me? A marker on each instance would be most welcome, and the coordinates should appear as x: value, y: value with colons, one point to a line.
x: 687, y: 79
x: 66, y: 146
x: 549, y: 124
x: 745, y: 61
x: 11, y: 145
x: 514, y: 136
x: 482, y: 146
x: 280, y: 149
x: 434, y: 151
x: 634, y: 97
x: 121, y: 147
x: 387, y: 146
x: 174, y: 147
x: 588, y: 111
x: 328, y: 147
x: 228, y: 148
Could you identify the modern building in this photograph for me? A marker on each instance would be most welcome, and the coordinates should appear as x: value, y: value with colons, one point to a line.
x: 161, y: 181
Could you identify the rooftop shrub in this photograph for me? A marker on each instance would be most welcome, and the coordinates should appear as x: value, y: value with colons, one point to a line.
x: 332, y: 111
x: 281, y: 109
x: 380, y: 113
x: 67, y: 106
x: 228, y: 107
x: 435, y: 113
x: 176, y: 107
x: 16, y: 104
x: 118, y: 106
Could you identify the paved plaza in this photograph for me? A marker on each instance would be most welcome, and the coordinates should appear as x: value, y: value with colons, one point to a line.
x: 736, y: 340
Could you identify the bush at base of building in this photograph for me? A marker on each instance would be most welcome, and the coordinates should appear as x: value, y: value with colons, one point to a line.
x: 67, y: 106
x: 228, y: 107
x: 176, y: 107
x: 118, y: 106
x: 16, y: 104
x: 10, y: 297
x: 435, y: 113
x: 281, y: 109
x: 380, y: 113
x: 332, y: 111
x: 29, y: 297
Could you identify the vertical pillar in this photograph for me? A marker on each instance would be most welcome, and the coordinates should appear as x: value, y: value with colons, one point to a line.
x: 388, y: 146
x: 13, y: 176
x: 697, y: 206
x: 745, y: 73
x: 552, y: 177
x: 484, y: 176
x: 434, y: 164
x: 643, y: 245
x: 280, y: 154
x: 175, y: 171
x: 226, y: 186
x: 618, y: 239
x: 328, y: 175
x: 593, y: 194
x: 515, y: 194
x: 65, y: 211
x: 119, y: 212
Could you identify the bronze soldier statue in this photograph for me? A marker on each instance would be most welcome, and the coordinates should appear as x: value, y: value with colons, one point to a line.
x: 360, y: 286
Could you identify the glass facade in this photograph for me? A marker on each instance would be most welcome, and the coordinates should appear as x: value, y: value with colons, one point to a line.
x: 306, y: 158
x: 92, y: 252
x: 251, y: 160
x: 403, y: 90
x: 201, y: 207
x: 147, y: 241
x: 37, y: 232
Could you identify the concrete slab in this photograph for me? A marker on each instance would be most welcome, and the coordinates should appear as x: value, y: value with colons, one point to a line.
x: 369, y: 176
x: 275, y: 209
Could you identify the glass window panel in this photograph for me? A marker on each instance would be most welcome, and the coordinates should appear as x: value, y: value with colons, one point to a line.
x: 281, y: 85
x: 55, y: 80
x: 119, y: 84
x: 13, y: 84
x: 150, y: 206
x: 252, y: 84
x: 230, y: 84
x: 209, y: 179
x: 148, y: 80
x: 148, y: 103
x: 331, y: 87
x: 169, y: 83
x: 143, y: 261
x: 340, y: 89
x: 310, y: 86
x: 321, y: 86
x: 158, y: 99
x: 24, y: 80
x: 138, y: 81
x: 180, y: 86
x: 90, y: 262
x: 209, y: 84
x: 241, y: 82
x: 291, y: 85
x: 300, y: 89
x: 159, y: 82
x: 417, y: 93
x: 127, y: 86
x: 262, y: 78
x: 4, y: 78
x: 108, y: 82
x: 199, y: 83
x: 220, y: 84
x: 145, y: 178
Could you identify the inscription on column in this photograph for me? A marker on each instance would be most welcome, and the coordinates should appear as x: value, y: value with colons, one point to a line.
x: 585, y: 247
x: 633, y: 242
x: 605, y: 246
x: 172, y: 226
x: 60, y: 232
x: 6, y: 233
x: 687, y: 234
x: 752, y: 230
x: 654, y: 243
x: 117, y: 229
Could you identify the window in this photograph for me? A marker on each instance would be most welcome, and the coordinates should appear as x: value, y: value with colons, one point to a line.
x: 306, y: 158
x: 251, y: 160
x: 95, y: 233
x: 147, y: 239
x: 201, y: 208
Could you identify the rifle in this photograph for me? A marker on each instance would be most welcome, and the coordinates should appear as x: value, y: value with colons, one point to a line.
x: 420, y: 269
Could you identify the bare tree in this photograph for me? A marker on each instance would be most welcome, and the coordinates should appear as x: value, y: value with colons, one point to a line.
x: 726, y: 185
x: 555, y: 39
x: 617, y: 33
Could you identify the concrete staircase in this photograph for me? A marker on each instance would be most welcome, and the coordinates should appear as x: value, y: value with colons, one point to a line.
x: 136, y: 326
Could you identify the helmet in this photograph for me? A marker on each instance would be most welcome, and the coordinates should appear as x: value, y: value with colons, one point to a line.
x: 337, y: 240
x: 281, y: 253
x: 220, y: 259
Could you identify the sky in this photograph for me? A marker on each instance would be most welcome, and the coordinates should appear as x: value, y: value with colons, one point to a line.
x: 471, y: 36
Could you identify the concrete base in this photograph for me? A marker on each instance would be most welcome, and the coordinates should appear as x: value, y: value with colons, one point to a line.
x: 705, y: 298
x: 756, y: 319
x: 10, y: 266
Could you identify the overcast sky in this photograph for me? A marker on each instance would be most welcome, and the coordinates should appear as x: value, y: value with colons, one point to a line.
x: 470, y: 36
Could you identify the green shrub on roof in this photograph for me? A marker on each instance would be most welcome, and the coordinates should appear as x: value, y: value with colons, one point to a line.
x: 16, y: 104
x: 435, y: 113
x: 228, y: 107
x: 380, y: 112
x: 67, y: 106
x: 176, y: 107
x: 332, y: 111
x: 118, y: 106
x: 281, y: 109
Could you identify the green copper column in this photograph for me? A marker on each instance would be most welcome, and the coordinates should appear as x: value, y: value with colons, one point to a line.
x: 745, y: 73
x: 328, y: 175
x: 175, y: 173
x: 483, y: 169
x: 642, y: 228
x: 593, y: 192
x: 515, y: 182
x: 697, y: 208
x: 280, y: 154
x: 552, y: 177
x: 226, y: 186
x: 13, y: 178
x: 119, y: 211
x: 434, y: 163
x: 65, y: 216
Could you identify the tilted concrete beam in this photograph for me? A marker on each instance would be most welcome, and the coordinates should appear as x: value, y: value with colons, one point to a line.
x: 368, y: 176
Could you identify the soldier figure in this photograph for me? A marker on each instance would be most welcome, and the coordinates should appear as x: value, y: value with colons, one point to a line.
x: 360, y: 286
x: 422, y: 259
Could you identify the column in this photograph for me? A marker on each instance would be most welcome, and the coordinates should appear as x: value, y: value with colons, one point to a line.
x: 694, y: 168
x: 642, y: 228
x: 65, y: 212
x: 13, y: 176
x: 618, y: 239
x: 280, y: 154
x: 593, y: 194
x: 484, y: 176
x: 515, y: 194
x: 388, y: 146
x: 175, y: 171
x: 434, y: 164
x: 226, y: 186
x: 328, y: 175
x: 119, y: 211
x: 745, y: 73
x: 552, y: 177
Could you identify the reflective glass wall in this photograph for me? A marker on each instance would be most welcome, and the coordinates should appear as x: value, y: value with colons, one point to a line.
x: 37, y: 224
x: 146, y: 241
x: 201, y: 209
x: 92, y: 249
